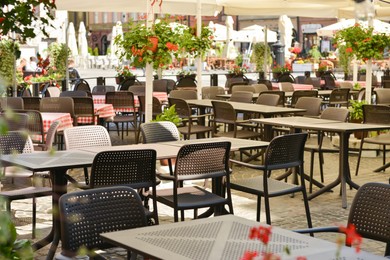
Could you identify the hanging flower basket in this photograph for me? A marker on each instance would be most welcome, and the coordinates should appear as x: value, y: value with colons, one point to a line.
x: 154, y: 41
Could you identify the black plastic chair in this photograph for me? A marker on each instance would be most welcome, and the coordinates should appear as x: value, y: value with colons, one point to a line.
x: 369, y: 213
x: 283, y: 152
x: 199, y: 162
x: 86, y: 214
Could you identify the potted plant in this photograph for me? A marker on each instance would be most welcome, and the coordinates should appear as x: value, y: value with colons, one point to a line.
x: 185, y: 74
x: 278, y: 70
x: 345, y: 59
x: 356, y: 115
x: 122, y: 73
x: 237, y: 71
x: 320, y: 71
x: 257, y: 57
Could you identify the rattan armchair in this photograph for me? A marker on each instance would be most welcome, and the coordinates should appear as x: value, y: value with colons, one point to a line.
x: 369, y: 213
x: 199, y: 162
x: 284, y: 151
x: 84, y: 107
x: 31, y: 103
x: 83, y: 212
x: 11, y: 103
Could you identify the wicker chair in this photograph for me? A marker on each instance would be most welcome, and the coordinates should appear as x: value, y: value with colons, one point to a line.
x: 286, y: 77
x: 52, y: 92
x: 338, y: 97
x: 260, y: 88
x: 382, y: 96
x: 311, y: 104
x: 58, y: 105
x: 82, y: 85
x: 369, y: 214
x: 215, y: 90
x: 138, y: 90
x: 283, y: 152
x: 75, y: 93
x: 268, y: 100
x: 247, y: 88
x: 184, y: 94
x: 266, y: 82
x: 160, y: 85
x: 31, y: 103
x: 186, y: 82
x: 35, y: 125
x: 302, y: 93
x: 102, y: 89
x: 286, y: 87
x: 331, y: 113
x: 375, y: 114
x: 11, y: 103
x: 118, y: 208
x: 155, y: 132
x: 124, y: 86
x: 190, y: 122
x: 86, y: 136
x: 123, y: 100
x: 21, y: 143
x: 84, y: 107
x: 330, y: 82
x: 15, y: 122
x: 242, y: 96
x: 280, y: 93
x: 199, y: 162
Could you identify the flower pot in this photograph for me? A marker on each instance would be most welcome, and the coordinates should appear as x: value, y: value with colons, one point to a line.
x: 319, y: 74
x: 276, y: 75
x: 119, y: 80
x: 261, y: 75
x: 358, y: 134
x: 192, y: 76
x: 234, y: 75
x: 154, y: 41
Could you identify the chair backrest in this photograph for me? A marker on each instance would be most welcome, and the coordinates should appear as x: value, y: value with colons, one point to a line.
x: 223, y: 112
x: 339, y: 96
x: 31, y: 103
x: 138, y: 90
x: 311, y: 104
x: 215, y: 90
x: 230, y: 82
x: 302, y: 93
x: 82, y: 85
x: 133, y: 168
x: 346, y: 84
x: 157, y: 107
x: 205, y: 92
x: 15, y: 121
x: 84, y: 107
x: 242, y: 96
x: 286, y: 86
x: 286, y: 77
x: 184, y: 94
x: 186, y: 82
x: 285, y: 151
x: 202, y: 161
x: 52, y: 92
x: 15, y: 142
x: 51, y: 133
x: 316, y: 82
x: 170, y: 85
x: 155, y: 132
x: 260, y: 88
x: 281, y: 94
x: 35, y: 124
x: 266, y: 82
x: 160, y: 85
x: 182, y: 108
x: 370, y: 211
x: 83, y: 212
x: 335, y: 113
x: 75, y: 93
x: 268, y: 99
x: 11, y: 103
x: 382, y: 96
x: 102, y: 89
x: 247, y: 88
x: 330, y: 82
x: 57, y: 104
x: 385, y: 81
x: 376, y: 114
x: 120, y: 99
x: 300, y: 79
x: 86, y: 136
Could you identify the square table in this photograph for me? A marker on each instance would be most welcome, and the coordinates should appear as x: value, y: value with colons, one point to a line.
x: 223, y: 237
x: 343, y: 129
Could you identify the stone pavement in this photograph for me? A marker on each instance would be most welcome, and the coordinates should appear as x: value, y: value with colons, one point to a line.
x: 287, y: 212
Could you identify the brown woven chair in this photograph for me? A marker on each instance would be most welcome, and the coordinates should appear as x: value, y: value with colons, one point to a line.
x: 11, y: 103
x: 58, y: 105
x: 382, y: 96
x: 268, y: 100
x: 190, y: 123
x: 369, y: 213
x: 375, y: 114
x: 260, y: 87
x: 283, y: 152
x: 83, y: 107
x: 280, y: 93
x: 184, y: 94
x: 331, y: 113
x: 21, y: 143
x: 123, y: 100
x: 160, y: 85
x: 248, y: 88
x: 286, y: 87
x: 119, y: 208
x: 199, y: 162
x: 302, y: 93
x: 266, y: 82
x: 311, y: 104
x: 31, y: 103
x: 15, y: 122
x: 82, y: 85
x: 35, y: 125
x: 102, y: 89
x: 75, y: 93
x: 338, y: 97
x: 138, y: 90
x: 242, y: 96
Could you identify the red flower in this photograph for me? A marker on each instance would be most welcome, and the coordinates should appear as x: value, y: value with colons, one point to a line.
x: 301, y: 258
x: 261, y: 233
x: 140, y: 59
x: 270, y: 256
x: 367, y: 39
x: 349, y: 50
x: 352, y: 237
x: 2, y: 19
x: 249, y: 255
x: 171, y: 46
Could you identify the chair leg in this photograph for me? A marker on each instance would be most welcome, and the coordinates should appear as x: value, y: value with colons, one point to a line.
x: 321, y: 158
x: 34, y: 217
x: 359, y: 157
x: 86, y: 176
x: 258, y: 211
x: 267, y: 209
x: 311, y: 171
x: 384, y: 156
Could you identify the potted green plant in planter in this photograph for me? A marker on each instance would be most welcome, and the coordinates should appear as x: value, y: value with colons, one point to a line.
x: 320, y: 71
x: 278, y: 70
x: 356, y: 115
x: 257, y: 57
x: 237, y: 71
x: 185, y: 74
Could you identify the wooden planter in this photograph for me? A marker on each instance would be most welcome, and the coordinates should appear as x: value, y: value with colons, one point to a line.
x: 359, y: 134
x: 120, y: 79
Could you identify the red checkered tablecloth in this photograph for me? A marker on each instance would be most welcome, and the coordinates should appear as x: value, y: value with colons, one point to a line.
x: 101, y: 110
x: 276, y: 86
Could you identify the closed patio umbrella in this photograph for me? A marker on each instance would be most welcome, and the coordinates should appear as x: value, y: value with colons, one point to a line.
x: 83, y: 44
x: 72, y: 44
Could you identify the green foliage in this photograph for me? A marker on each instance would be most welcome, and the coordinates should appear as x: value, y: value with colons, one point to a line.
x: 345, y: 58
x: 90, y: 51
x: 170, y: 115
x: 96, y: 51
x: 314, y: 53
x: 239, y: 60
x: 362, y: 42
x: 258, y: 55
x: 22, y: 18
x: 59, y: 53
x: 191, y: 44
x: 10, y: 248
x: 356, y: 109
x: 8, y: 48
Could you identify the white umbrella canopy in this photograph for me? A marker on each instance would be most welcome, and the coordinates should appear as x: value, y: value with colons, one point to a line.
x: 72, y: 44
x: 82, y: 40
x: 116, y: 30
x: 330, y: 30
x: 257, y: 32
x: 229, y: 51
x: 286, y: 31
x: 184, y: 7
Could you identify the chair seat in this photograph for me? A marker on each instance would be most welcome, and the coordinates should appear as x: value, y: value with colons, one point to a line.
x: 29, y: 192
x: 383, y: 139
x: 190, y: 197
x: 255, y: 186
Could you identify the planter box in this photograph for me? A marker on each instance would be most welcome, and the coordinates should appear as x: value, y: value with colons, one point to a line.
x: 302, y: 67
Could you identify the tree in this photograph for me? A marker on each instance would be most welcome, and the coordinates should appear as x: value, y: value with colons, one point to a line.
x: 22, y: 17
